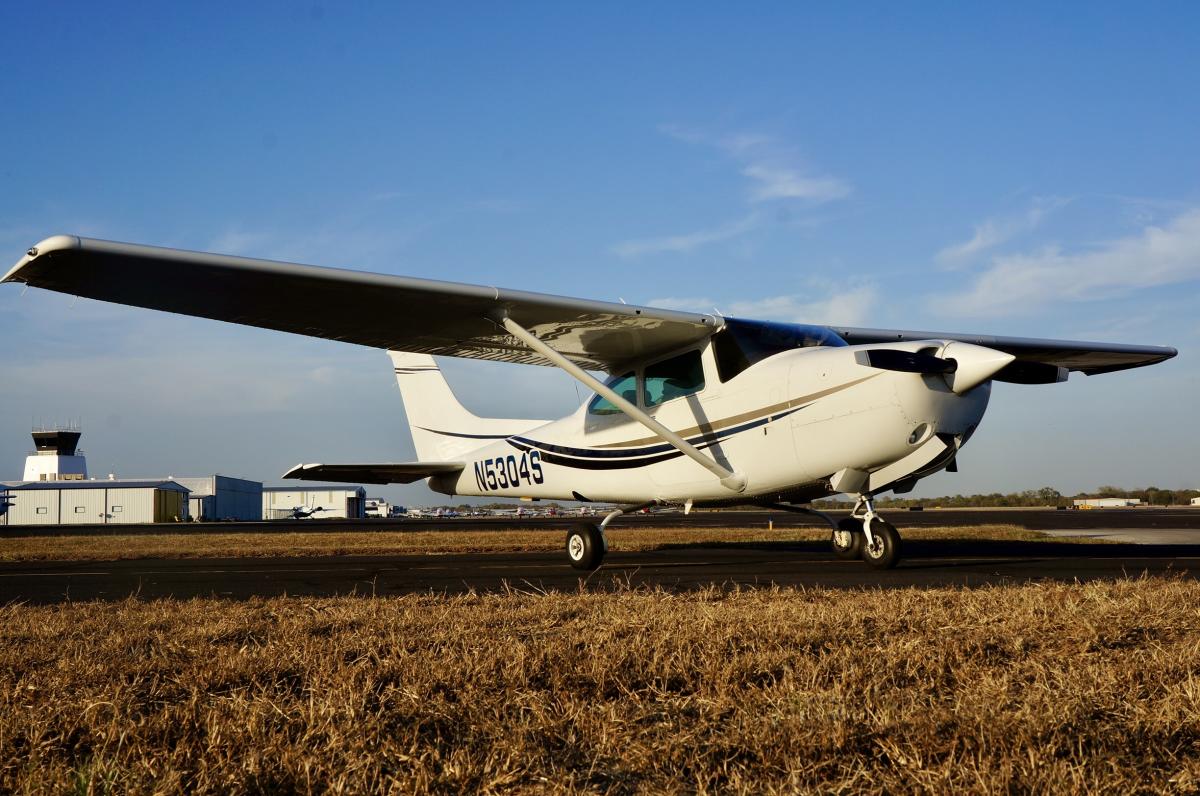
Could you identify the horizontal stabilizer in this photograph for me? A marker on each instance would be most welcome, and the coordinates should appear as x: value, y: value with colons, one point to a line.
x: 401, y: 473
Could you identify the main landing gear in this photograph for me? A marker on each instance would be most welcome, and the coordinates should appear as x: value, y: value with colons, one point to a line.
x: 586, y: 545
x: 864, y: 534
x: 586, y: 542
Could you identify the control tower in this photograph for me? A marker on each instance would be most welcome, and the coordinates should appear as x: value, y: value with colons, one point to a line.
x: 56, y: 457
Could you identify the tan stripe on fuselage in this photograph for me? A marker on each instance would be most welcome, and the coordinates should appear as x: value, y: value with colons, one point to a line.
x: 720, y: 425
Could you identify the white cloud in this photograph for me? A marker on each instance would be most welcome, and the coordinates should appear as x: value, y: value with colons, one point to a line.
x: 1164, y: 255
x: 775, y: 181
x: 987, y: 235
x: 774, y: 174
x: 850, y: 306
x: 686, y: 242
x: 993, y: 232
x: 775, y: 171
x: 241, y: 243
x: 190, y: 380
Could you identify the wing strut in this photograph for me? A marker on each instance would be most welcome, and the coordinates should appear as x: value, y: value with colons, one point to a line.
x: 729, y: 479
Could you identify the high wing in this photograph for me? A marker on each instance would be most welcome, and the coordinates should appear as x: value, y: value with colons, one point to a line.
x: 1038, y: 361
x: 453, y: 319
x: 391, y: 312
x: 403, y: 473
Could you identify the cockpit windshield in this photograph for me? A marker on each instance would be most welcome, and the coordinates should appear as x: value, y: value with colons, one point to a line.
x: 624, y: 386
x: 743, y: 343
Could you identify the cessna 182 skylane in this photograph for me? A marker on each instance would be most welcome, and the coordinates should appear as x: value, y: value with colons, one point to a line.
x: 697, y: 410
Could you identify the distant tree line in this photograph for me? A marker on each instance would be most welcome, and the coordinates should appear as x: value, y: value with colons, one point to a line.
x: 1047, y: 496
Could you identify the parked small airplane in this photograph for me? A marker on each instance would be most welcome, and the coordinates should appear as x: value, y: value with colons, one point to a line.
x: 697, y: 410
x: 303, y: 512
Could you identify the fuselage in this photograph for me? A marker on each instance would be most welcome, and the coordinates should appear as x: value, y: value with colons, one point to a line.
x: 789, y: 423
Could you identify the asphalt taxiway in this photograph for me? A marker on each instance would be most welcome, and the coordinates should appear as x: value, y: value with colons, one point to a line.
x: 685, y: 567
x: 1147, y: 542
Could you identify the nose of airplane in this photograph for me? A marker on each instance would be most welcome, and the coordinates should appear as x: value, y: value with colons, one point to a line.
x: 973, y: 364
x: 963, y: 366
x: 950, y: 388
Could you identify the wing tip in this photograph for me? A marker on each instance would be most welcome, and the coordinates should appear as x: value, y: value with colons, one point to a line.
x: 54, y: 243
x: 297, y: 472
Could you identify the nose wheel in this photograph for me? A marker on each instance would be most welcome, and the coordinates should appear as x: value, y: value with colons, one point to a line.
x: 882, y: 549
x: 864, y: 534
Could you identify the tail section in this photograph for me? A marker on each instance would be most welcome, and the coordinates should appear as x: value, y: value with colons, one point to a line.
x: 442, y: 428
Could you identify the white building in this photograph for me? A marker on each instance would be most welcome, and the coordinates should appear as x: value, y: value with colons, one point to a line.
x: 94, y: 502
x: 1196, y: 501
x: 220, y: 497
x: 1106, y: 503
x: 377, y: 507
x: 55, y: 457
x: 324, y: 501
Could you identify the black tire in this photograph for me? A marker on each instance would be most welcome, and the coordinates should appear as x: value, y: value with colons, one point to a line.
x: 847, y: 540
x: 585, y: 546
x: 885, y: 552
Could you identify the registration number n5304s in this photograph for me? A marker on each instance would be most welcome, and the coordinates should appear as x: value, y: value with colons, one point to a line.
x: 507, y: 472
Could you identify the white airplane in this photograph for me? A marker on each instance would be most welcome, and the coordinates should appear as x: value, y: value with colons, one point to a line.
x: 302, y: 512
x: 697, y: 410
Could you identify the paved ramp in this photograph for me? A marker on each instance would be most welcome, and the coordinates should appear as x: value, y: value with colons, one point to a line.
x: 927, y: 564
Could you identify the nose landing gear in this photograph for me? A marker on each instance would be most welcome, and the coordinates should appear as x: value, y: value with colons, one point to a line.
x: 867, y: 534
x: 864, y: 534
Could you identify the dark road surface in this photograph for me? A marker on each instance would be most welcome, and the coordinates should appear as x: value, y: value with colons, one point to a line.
x: 682, y: 567
x: 1033, y: 519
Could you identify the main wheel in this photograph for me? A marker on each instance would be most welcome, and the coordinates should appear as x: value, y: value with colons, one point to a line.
x: 883, y: 551
x: 585, y: 546
x: 847, y: 539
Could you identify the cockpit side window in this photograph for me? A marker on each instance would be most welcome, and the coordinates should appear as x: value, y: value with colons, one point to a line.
x: 744, y: 343
x: 673, y: 378
x: 624, y: 386
x: 731, y: 358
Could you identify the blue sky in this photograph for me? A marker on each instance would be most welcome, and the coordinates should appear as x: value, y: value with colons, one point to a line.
x: 1010, y: 169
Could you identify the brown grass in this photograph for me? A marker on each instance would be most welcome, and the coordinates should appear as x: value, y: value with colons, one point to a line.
x: 238, y: 545
x: 1089, y: 688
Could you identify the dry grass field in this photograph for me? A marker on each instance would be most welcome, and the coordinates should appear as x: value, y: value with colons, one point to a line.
x: 240, y: 545
x: 1091, y: 688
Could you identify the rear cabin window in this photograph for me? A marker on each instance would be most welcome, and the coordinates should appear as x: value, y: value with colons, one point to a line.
x: 673, y: 378
x: 624, y: 386
x: 744, y: 343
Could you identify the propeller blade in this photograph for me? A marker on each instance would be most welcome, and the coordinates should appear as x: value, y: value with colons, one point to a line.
x: 906, y: 361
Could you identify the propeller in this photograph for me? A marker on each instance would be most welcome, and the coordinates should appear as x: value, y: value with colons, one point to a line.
x: 907, y: 361
x: 963, y: 365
